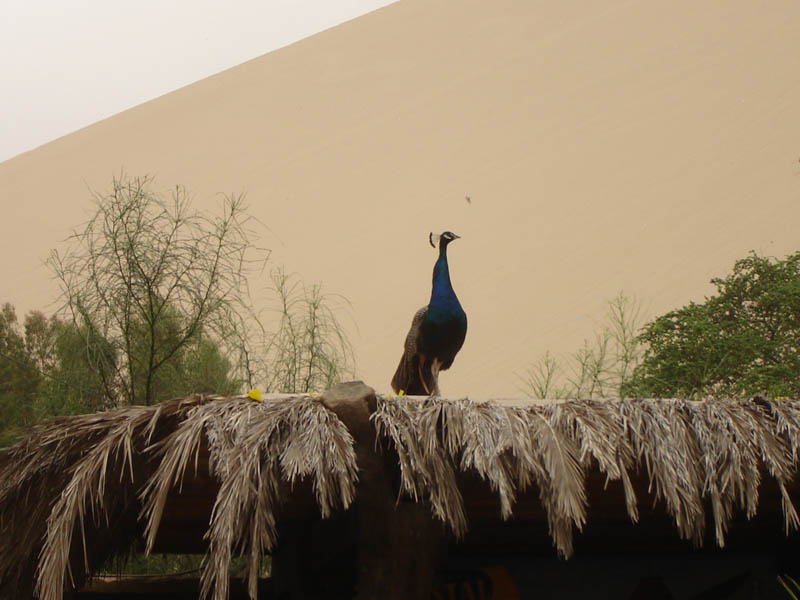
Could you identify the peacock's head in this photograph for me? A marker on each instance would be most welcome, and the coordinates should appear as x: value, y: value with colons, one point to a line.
x: 443, y: 239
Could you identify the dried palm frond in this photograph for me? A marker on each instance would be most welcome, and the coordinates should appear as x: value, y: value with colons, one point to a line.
x: 254, y: 449
x: 58, y: 474
x: 599, y: 427
x: 713, y: 450
x: 86, y: 490
x: 777, y: 453
x: 508, y: 447
x: 731, y: 461
x: 661, y: 434
x: 426, y: 469
x: 563, y: 491
x: 692, y: 452
x: 176, y: 452
x: 787, y: 424
x: 474, y: 433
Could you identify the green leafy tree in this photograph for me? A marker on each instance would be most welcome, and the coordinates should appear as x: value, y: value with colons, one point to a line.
x: 205, y: 370
x: 743, y: 340
x: 41, y: 334
x: 19, y: 378
x: 43, y: 372
x: 73, y: 383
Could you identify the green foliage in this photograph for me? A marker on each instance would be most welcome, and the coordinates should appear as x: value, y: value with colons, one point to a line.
x: 19, y: 378
x: 178, y: 564
x: 204, y: 370
x: 744, y: 340
x: 73, y: 382
x: 41, y: 334
x: 600, y: 368
x: 72, y: 368
x: 156, y: 564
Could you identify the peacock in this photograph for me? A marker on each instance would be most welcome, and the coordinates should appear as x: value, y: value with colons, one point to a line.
x: 437, y: 332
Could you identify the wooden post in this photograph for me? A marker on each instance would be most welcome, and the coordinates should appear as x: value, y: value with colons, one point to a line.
x: 399, y: 543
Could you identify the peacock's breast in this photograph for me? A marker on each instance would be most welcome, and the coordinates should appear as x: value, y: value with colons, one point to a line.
x: 444, y: 329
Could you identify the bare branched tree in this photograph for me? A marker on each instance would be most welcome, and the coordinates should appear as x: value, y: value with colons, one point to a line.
x: 624, y: 319
x: 147, y: 277
x: 598, y: 369
x: 309, y: 350
x: 541, y: 378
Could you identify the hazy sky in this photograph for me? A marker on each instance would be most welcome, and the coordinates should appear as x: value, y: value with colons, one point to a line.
x: 68, y: 63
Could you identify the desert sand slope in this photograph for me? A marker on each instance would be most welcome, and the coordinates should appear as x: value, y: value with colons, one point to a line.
x: 632, y: 145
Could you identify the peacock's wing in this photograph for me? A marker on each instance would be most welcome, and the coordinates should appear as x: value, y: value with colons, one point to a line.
x: 407, y: 377
x: 414, y: 337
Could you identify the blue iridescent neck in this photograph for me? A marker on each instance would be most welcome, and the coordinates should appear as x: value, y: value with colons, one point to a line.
x: 442, y: 290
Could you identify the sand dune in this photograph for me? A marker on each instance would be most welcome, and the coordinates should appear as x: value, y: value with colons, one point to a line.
x: 619, y: 145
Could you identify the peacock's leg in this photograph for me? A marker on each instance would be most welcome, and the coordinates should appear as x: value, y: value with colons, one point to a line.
x: 436, y: 366
x: 420, y: 364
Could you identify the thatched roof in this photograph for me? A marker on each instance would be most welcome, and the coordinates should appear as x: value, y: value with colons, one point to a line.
x: 82, y: 489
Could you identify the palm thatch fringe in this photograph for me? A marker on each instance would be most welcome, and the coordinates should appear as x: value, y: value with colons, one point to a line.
x: 253, y: 448
x: 103, y: 464
x: 693, y: 452
x: 77, y: 482
x: 426, y: 470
